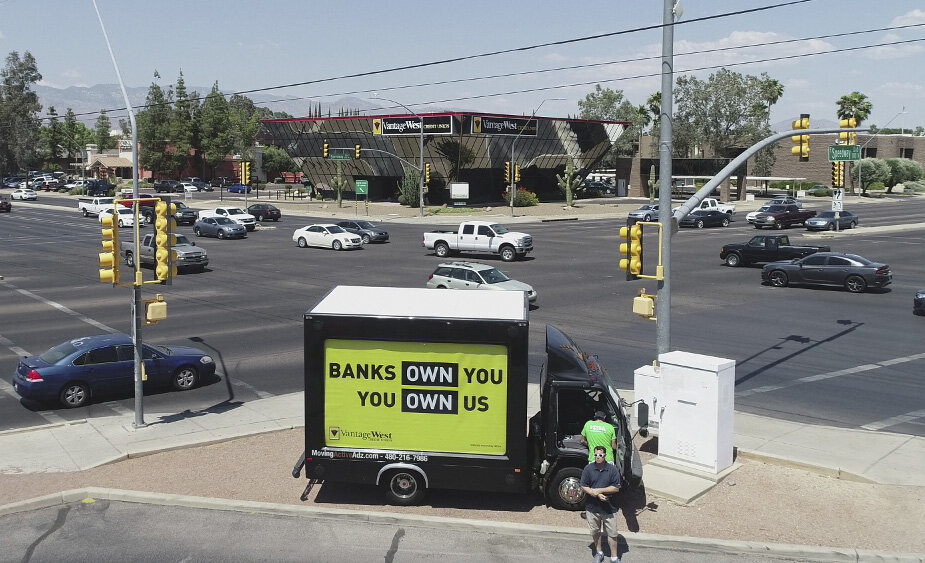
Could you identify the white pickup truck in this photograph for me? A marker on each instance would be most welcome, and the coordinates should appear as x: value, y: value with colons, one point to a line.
x: 93, y: 205
x: 711, y: 203
x: 237, y: 215
x: 479, y: 237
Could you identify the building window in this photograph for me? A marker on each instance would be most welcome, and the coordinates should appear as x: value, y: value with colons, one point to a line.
x: 905, y: 153
x: 870, y: 152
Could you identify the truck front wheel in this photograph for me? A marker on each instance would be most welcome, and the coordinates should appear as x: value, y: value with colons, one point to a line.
x: 442, y: 250
x: 404, y: 487
x: 733, y: 260
x: 129, y: 260
x: 508, y: 254
x: 564, y: 490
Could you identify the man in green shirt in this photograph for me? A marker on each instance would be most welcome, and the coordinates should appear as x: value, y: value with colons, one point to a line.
x: 597, y: 432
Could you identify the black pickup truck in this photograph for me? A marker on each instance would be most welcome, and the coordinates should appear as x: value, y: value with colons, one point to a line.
x: 765, y: 248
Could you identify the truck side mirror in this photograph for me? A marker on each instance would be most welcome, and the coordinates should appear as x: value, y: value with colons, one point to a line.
x: 642, y: 419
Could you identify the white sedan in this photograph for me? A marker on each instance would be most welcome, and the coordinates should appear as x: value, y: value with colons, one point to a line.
x: 23, y: 193
x: 126, y: 216
x: 326, y: 236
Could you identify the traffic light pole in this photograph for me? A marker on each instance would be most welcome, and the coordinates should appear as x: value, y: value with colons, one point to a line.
x: 136, y: 289
x: 663, y: 299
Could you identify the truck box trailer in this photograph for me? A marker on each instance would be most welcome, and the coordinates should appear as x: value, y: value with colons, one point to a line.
x: 416, y: 389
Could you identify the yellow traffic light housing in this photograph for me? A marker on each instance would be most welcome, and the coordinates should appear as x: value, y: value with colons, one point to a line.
x: 109, y: 259
x: 507, y: 171
x: 427, y: 173
x: 838, y: 174
x: 324, y: 150
x: 164, y: 240
x: 848, y: 137
x: 849, y: 123
x: 155, y: 309
x: 801, y: 142
x: 245, y: 173
x: 516, y: 173
x: 631, y: 250
x: 644, y: 305
x: 356, y: 153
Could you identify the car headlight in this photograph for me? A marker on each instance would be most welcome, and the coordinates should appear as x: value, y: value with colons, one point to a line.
x: 206, y: 360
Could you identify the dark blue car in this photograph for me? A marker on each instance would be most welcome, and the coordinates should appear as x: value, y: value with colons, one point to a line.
x: 74, y: 371
x: 238, y: 189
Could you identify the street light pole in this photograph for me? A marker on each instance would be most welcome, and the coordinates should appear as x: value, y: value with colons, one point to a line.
x: 860, y: 183
x: 513, y: 166
x: 421, y: 161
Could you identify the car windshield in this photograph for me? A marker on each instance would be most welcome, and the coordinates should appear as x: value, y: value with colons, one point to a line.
x: 235, y: 211
x: 499, y: 229
x: 126, y: 211
x: 181, y: 205
x: 366, y: 225
x: 776, y: 208
x: 59, y: 352
x: 183, y: 241
x: 764, y: 208
x: 493, y: 275
x: 224, y: 221
x: 335, y: 229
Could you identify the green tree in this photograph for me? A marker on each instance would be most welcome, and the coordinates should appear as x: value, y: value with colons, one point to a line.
x: 103, y: 129
x: 244, y: 122
x: 654, y: 107
x: 854, y: 105
x: 52, y: 140
x: 871, y: 170
x: 771, y: 91
x: 180, y: 130
x: 215, y: 131
x: 155, y: 150
x: 607, y: 104
x: 276, y: 160
x: 902, y: 170
x: 457, y: 154
x: 76, y: 136
x: 19, y: 108
x: 409, y: 189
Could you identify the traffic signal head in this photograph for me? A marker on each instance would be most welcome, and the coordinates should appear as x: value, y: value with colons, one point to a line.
x: 507, y: 171
x: 357, y: 152
x: 109, y: 258
x: 164, y: 239
x: 245, y: 173
x: 801, y: 142
x: 838, y: 174
x: 324, y: 150
x: 848, y: 137
x: 849, y: 123
x: 516, y: 172
x: 426, y: 173
x: 631, y: 250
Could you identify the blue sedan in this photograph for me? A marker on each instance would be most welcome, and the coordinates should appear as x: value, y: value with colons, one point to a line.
x: 238, y: 189
x: 74, y: 371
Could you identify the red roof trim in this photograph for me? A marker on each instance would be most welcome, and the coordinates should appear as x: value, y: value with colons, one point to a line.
x: 440, y: 114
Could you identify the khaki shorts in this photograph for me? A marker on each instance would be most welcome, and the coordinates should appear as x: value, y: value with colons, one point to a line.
x: 609, y: 521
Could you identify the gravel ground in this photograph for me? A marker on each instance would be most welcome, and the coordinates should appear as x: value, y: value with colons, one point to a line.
x: 758, y: 502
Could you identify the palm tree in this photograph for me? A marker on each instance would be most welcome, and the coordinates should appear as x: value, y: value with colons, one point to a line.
x: 854, y: 105
x: 771, y: 91
x: 654, y: 103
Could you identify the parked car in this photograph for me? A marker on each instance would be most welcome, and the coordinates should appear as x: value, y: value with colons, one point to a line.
x: 326, y: 236
x: 23, y: 194
x: 185, y: 215
x: 472, y: 275
x: 701, y: 218
x: 647, y: 212
x: 126, y: 216
x: 99, y: 188
x: 167, y: 186
x: 367, y: 231
x: 73, y: 372
x: 238, y: 189
x: 265, y: 212
x: 220, y: 227
x: 918, y: 302
x: 787, y: 200
x: 819, y: 191
x: 13, y: 181
x: 5, y: 204
x: 825, y: 220
x: 602, y: 187
x: 222, y: 181
x: 750, y: 217
x: 189, y: 188
x: 854, y: 273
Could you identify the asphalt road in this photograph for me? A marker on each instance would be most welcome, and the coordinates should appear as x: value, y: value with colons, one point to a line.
x: 820, y: 355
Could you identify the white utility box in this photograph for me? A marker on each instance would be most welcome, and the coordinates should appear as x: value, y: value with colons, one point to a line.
x: 696, y: 416
x: 647, y: 387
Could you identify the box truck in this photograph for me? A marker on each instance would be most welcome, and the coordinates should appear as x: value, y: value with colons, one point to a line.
x: 417, y: 389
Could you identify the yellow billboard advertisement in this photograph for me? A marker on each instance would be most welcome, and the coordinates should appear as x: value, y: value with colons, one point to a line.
x: 418, y: 396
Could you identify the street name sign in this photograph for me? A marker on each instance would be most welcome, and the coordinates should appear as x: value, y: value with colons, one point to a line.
x: 844, y: 152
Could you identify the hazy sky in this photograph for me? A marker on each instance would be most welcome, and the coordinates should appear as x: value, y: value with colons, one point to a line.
x: 251, y: 45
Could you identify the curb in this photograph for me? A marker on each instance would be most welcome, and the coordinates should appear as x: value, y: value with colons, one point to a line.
x: 634, y: 539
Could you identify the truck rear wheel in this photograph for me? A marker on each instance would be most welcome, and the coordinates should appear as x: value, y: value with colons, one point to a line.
x: 442, y: 250
x: 404, y: 487
x: 129, y: 260
x: 564, y: 490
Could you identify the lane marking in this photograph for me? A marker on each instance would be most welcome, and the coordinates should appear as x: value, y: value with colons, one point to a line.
x: 62, y: 308
x: 829, y: 375
x: 894, y: 420
x: 252, y: 389
x: 13, y: 347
